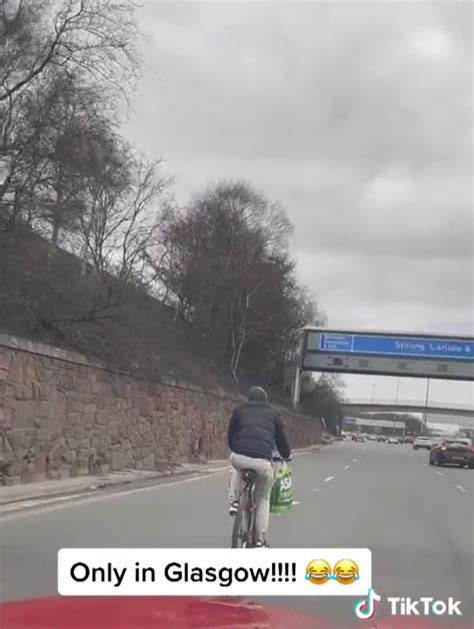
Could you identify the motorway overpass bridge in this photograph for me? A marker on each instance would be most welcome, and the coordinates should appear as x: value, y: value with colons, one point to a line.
x: 393, y: 406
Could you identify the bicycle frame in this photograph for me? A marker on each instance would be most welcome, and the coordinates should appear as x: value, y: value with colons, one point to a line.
x: 243, y: 533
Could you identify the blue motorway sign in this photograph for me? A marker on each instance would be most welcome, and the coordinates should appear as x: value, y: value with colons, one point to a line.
x: 396, y: 346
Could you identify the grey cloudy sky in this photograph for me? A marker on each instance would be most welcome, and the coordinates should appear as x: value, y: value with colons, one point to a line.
x: 357, y: 117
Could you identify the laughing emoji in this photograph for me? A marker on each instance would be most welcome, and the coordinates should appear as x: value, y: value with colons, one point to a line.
x: 346, y: 571
x: 318, y: 571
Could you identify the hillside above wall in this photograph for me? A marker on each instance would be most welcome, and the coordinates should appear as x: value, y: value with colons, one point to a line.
x: 46, y: 296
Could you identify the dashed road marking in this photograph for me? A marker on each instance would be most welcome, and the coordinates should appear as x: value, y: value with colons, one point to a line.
x: 461, y: 488
x: 296, y: 502
x: 354, y: 460
x: 346, y: 467
x: 326, y: 480
x: 315, y: 489
x: 439, y: 473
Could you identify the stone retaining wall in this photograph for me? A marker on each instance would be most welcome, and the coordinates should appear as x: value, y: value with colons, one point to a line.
x: 62, y: 416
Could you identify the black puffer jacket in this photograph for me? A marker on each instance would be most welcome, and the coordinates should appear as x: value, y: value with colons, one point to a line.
x: 254, y: 430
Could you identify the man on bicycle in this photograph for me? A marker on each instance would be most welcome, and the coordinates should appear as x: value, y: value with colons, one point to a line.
x: 254, y: 429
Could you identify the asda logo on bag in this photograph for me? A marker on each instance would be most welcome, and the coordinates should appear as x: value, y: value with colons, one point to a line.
x: 281, y: 498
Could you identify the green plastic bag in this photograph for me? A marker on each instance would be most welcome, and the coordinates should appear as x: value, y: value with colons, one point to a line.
x: 281, y: 497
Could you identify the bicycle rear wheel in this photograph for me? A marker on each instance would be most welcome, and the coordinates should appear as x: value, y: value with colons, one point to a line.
x: 237, y: 531
x: 242, y: 530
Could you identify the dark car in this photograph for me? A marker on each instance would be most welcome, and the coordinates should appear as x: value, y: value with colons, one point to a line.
x: 453, y: 452
x: 381, y: 438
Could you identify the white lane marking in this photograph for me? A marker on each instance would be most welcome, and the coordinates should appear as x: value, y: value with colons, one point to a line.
x: 439, y: 473
x: 461, y: 488
x: 89, y: 499
x: 316, y: 489
x: 326, y: 480
x: 354, y: 460
x: 296, y: 502
x: 346, y: 467
x: 34, y: 503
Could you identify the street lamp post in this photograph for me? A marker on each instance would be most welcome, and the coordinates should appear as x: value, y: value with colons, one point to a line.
x: 426, y: 402
x: 296, y: 389
x: 396, y: 403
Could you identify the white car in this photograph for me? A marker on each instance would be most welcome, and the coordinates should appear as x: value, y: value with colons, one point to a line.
x: 393, y: 440
x: 422, y: 442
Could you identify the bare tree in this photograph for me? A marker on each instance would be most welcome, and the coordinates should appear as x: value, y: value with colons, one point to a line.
x: 123, y: 216
x: 68, y: 122
x: 58, y: 133
x: 323, y: 398
x: 97, y: 36
x: 226, y: 264
x: 241, y: 328
x: 51, y: 52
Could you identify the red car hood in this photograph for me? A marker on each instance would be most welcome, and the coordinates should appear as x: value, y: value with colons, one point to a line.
x: 169, y: 613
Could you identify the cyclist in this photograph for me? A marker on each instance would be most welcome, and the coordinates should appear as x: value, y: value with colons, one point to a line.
x: 254, y: 429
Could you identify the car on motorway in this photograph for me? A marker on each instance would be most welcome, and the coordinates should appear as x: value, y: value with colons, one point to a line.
x: 422, y: 442
x: 393, y: 440
x: 381, y: 438
x: 360, y: 438
x: 453, y: 451
x: 371, y: 438
x: 408, y: 439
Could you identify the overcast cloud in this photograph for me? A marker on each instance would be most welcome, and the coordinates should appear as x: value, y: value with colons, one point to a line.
x: 356, y: 116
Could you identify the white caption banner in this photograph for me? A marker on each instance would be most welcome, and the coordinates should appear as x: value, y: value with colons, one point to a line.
x: 214, y: 572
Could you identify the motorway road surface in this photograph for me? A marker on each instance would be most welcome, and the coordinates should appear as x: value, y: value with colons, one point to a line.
x: 416, y: 519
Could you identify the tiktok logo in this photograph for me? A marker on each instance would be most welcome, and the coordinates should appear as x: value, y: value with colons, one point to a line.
x: 365, y: 608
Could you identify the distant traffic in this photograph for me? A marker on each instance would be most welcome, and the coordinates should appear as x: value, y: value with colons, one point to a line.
x: 456, y: 451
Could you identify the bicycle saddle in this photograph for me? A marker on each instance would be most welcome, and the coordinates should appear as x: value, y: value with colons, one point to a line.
x: 248, y: 475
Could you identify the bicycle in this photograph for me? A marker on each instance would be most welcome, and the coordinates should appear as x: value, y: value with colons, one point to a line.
x: 243, y: 530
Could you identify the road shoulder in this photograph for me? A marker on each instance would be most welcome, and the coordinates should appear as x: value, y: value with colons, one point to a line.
x: 27, y: 496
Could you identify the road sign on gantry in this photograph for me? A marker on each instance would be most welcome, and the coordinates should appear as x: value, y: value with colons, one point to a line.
x: 411, y: 355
